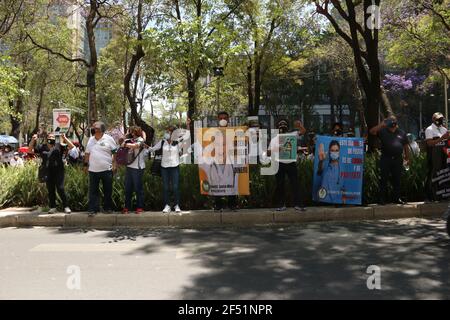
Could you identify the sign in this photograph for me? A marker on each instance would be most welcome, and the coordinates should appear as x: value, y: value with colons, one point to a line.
x: 338, y: 170
x: 440, y: 163
x: 223, y: 163
x: 288, y: 147
x: 61, y: 120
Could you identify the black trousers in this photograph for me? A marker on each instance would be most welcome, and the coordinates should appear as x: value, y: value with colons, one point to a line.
x: 55, y: 182
x: 391, y: 168
x: 289, y: 170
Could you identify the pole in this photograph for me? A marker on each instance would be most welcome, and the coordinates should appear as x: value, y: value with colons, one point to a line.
x: 420, y: 115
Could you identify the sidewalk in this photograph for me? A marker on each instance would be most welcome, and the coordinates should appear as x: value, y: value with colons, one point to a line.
x: 25, y: 217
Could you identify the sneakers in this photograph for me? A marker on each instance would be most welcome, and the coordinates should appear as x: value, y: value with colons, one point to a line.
x: 139, y: 210
x: 52, y: 211
x: 297, y: 208
x: 92, y: 213
x: 281, y: 209
x: 67, y: 210
x: 167, y: 209
x: 177, y: 209
x: 125, y: 211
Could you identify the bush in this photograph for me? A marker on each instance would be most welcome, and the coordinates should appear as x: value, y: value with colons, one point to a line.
x: 20, y: 186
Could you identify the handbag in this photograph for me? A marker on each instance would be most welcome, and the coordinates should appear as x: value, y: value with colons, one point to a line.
x: 156, y: 164
x: 125, y: 156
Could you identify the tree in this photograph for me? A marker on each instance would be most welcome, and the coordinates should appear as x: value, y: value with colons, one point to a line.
x: 363, y: 38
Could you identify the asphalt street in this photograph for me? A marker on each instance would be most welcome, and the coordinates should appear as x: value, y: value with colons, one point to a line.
x: 305, y: 261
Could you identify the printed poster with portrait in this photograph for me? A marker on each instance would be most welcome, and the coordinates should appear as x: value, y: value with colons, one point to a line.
x: 223, y: 171
x: 338, y: 170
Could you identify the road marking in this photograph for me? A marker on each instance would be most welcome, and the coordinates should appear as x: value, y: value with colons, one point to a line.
x: 85, y: 247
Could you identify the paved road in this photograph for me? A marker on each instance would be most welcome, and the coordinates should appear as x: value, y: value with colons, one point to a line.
x: 314, y: 261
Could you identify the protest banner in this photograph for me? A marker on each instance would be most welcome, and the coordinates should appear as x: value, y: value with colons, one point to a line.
x: 61, y: 120
x: 338, y: 170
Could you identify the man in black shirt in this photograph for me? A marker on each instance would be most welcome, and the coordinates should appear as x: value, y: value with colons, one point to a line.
x: 394, y: 144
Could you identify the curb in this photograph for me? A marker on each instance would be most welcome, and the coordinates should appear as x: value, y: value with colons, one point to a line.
x: 246, y: 217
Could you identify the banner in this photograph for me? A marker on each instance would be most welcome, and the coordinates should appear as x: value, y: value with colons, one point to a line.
x: 338, y: 170
x: 439, y: 160
x: 61, y: 120
x: 223, y: 165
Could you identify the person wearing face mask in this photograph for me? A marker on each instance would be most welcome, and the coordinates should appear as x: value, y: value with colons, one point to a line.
x: 52, y: 162
x: 337, y: 130
x: 394, y: 153
x: 436, y: 136
x: 100, y: 160
x: 330, y: 181
x: 170, y: 166
x: 287, y: 167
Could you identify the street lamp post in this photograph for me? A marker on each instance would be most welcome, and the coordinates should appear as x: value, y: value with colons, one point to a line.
x: 218, y: 72
x: 446, y: 97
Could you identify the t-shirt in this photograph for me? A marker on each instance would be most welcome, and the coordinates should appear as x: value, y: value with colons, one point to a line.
x: 392, y: 142
x: 434, y: 131
x: 100, y: 153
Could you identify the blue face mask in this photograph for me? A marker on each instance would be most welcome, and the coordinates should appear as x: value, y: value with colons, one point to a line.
x: 334, y: 155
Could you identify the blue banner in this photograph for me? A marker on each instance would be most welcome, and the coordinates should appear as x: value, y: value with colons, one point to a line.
x: 338, y: 170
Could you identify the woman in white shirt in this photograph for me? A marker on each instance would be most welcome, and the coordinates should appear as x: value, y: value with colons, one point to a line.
x: 135, y: 170
x: 170, y: 166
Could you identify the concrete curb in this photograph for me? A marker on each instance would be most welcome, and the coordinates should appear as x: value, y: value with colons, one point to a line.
x: 18, y: 217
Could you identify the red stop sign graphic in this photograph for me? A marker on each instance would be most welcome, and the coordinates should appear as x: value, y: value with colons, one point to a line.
x: 62, y: 118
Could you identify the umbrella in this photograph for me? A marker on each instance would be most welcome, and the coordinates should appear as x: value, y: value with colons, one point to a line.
x: 8, y: 139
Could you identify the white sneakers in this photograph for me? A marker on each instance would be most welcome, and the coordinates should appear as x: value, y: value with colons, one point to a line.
x: 52, y: 211
x: 67, y: 210
x: 167, y: 209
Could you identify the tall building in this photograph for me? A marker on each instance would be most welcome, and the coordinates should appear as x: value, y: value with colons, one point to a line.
x: 103, y: 35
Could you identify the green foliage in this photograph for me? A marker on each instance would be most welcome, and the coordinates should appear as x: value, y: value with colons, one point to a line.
x: 20, y: 187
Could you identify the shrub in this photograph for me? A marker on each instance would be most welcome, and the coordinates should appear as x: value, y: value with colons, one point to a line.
x: 20, y: 186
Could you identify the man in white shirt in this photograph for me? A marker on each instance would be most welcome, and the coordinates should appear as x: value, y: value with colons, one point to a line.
x: 16, y: 161
x: 436, y: 136
x: 100, y: 159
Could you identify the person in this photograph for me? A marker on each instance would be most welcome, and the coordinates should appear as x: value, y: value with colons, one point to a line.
x: 226, y: 169
x: 101, y: 164
x: 287, y: 167
x: 413, y: 145
x: 6, y: 155
x: 337, y: 130
x: 171, y: 148
x: 52, y: 162
x: 300, y: 130
x: 394, y: 146
x: 331, y: 185
x: 16, y: 161
x: 74, y: 154
x: 135, y: 170
x: 436, y: 136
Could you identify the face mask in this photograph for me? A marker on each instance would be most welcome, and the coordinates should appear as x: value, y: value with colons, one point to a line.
x: 92, y: 131
x: 223, y: 123
x: 51, y: 141
x: 167, y: 135
x: 393, y: 125
x: 283, y: 129
x: 334, y: 155
x: 338, y: 132
x: 439, y: 122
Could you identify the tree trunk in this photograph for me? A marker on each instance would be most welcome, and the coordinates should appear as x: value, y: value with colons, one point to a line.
x: 39, y: 108
x: 250, y: 90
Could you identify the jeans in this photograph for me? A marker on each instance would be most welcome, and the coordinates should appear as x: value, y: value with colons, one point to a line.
x: 390, y: 166
x: 55, y: 182
x: 171, y: 176
x: 106, y: 177
x: 133, y: 183
x: 289, y: 169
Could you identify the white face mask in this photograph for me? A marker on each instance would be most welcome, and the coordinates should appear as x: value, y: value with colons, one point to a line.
x: 223, y: 123
x: 167, y: 135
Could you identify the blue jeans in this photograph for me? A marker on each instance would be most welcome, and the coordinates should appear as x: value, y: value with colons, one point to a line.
x: 133, y: 183
x: 106, y: 177
x: 171, y: 176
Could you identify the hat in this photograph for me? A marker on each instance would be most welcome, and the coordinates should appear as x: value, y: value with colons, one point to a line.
x: 437, y: 115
